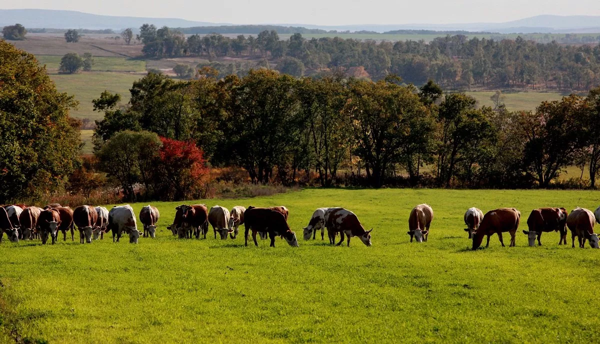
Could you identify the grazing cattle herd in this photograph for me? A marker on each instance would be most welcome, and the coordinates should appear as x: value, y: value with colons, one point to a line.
x: 21, y: 222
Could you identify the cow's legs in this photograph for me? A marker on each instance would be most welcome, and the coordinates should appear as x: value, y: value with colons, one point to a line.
x: 322, y: 233
x: 254, y: 238
x: 65, y: 234
x: 488, y: 241
x: 80, y: 236
x: 411, y: 237
x: 540, y: 238
x: 331, y: 236
x: 513, y: 242
x: 341, y: 239
x: 572, y: 240
x: 272, y: 236
x: 501, y: 239
x: 246, y: 235
x: 314, y: 233
x: 348, y: 241
x: 72, y: 233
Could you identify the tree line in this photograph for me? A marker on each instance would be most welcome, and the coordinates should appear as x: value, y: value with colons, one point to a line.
x: 346, y: 131
x: 455, y: 62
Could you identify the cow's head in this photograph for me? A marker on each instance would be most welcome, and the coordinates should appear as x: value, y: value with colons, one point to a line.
x: 96, y: 232
x: 308, y: 232
x: 223, y: 232
x: 594, y: 240
x: 366, y: 237
x: 531, y: 236
x: 27, y: 233
x: 12, y: 233
x: 186, y: 211
x: 418, y: 234
x: 87, y: 232
x: 182, y: 231
x: 134, y: 235
x: 291, y: 239
x: 53, y: 226
x: 152, y: 230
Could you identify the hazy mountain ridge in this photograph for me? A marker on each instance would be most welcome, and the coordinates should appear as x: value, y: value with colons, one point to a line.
x: 58, y: 19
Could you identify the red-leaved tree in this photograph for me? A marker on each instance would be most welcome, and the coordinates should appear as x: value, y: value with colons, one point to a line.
x: 181, y: 169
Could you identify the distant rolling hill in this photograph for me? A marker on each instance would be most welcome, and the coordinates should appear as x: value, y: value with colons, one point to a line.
x: 78, y: 20
x: 56, y: 19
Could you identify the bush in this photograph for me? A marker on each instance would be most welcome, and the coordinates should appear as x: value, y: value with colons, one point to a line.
x: 72, y: 36
x: 291, y: 66
x: 184, y: 71
x: 70, y: 63
x: 88, y: 61
x: 15, y: 32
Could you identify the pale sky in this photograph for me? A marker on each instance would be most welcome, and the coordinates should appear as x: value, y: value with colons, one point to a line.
x: 322, y: 12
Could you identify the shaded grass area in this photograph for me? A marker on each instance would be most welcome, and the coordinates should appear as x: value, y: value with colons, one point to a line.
x: 170, y: 290
x: 527, y: 101
x: 101, y: 64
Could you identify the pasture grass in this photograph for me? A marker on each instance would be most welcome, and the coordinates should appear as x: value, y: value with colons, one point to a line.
x: 101, y: 63
x: 86, y: 138
x: 88, y: 86
x: 527, y: 101
x: 170, y: 290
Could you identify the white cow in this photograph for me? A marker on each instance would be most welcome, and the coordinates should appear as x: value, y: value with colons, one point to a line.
x: 236, y: 219
x: 218, y: 217
x: 317, y: 221
x: 102, y: 223
x: 473, y: 218
x: 14, y: 212
x: 121, y: 219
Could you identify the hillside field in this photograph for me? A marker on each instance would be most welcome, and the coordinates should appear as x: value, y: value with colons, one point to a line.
x: 171, y: 290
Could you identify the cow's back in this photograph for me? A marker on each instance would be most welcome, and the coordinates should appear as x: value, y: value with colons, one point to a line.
x: 218, y: 217
x: 122, y: 216
x: 238, y: 212
x: 29, y: 217
x: 200, y: 214
x: 66, y: 217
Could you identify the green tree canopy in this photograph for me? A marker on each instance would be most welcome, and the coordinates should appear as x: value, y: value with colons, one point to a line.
x: 15, y: 32
x: 72, y: 36
x: 71, y: 63
x: 39, y: 145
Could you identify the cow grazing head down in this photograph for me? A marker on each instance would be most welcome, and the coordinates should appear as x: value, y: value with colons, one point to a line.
x: 12, y: 233
x: 531, y: 236
x: 53, y: 226
x: 308, y: 232
x: 594, y: 240
x: 291, y: 239
x: 87, y: 231
x: 152, y: 231
x: 134, y: 235
x: 96, y: 233
x: 366, y: 238
x: 418, y: 233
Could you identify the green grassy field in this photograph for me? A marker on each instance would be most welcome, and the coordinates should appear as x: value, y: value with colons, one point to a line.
x: 517, y: 101
x: 88, y: 86
x: 101, y: 64
x: 170, y: 290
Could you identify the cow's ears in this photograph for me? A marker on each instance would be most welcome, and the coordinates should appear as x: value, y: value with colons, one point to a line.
x: 466, y: 229
x: 369, y: 231
x: 526, y: 232
x: 409, y: 233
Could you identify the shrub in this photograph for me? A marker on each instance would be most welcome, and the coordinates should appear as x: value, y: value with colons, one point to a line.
x: 70, y: 63
x: 15, y: 32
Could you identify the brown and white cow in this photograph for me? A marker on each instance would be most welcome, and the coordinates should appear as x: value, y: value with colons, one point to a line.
x: 28, y: 219
x: 547, y: 220
x: 236, y: 218
x: 66, y: 220
x: 497, y: 221
x: 149, y: 216
x: 48, y: 224
x: 317, y: 221
x: 581, y: 223
x: 218, y: 217
x: 102, y: 223
x: 85, y: 218
x: 7, y: 227
x: 473, y: 218
x: 419, y: 222
x: 122, y: 219
x: 267, y: 220
x: 345, y: 222
x: 177, y: 222
x: 194, y: 220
